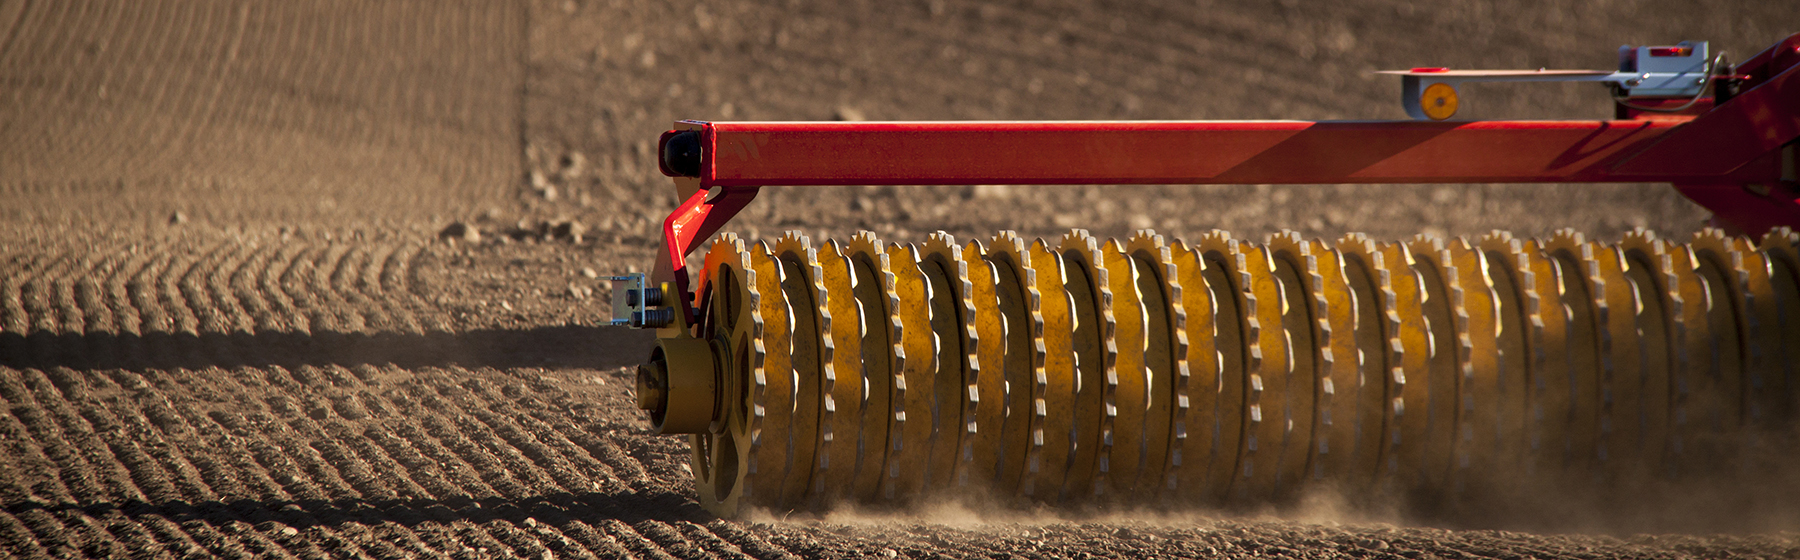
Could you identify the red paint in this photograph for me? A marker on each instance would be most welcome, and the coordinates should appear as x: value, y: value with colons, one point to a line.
x: 700, y: 216
x: 1191, y: 153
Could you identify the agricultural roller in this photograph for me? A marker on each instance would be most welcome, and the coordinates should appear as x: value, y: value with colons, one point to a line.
x: 1223, y: 371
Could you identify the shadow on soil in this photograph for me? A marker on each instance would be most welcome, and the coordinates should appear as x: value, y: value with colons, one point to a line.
x: 554, y: 509
x: 560, y: 346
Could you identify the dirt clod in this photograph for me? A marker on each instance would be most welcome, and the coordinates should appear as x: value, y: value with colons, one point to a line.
x: 571, y: 230
x: 461, y: 232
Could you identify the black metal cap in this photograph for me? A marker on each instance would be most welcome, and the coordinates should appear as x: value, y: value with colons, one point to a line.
x: 681, y: 154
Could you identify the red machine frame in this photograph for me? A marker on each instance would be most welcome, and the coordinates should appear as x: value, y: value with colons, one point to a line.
x: 1737, y: 158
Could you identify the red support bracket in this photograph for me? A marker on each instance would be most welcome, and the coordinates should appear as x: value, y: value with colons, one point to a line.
x: 698, y: 217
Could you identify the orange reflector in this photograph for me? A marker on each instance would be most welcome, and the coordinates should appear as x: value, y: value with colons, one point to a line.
x: 1438, y: 101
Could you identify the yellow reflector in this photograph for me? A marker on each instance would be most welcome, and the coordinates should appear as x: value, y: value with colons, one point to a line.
x: 1438, y: 101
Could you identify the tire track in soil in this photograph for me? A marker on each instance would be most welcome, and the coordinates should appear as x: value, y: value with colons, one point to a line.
x: 301, y: 468
x: 42, y: 322
x: 379, y: 282
x: 281, y: 303
x: 633, y: 541
x: 312, y: 456
x: 425, y: 396
x: 17, y: 536
x: 210, y: 315
x: 533, y: 465
x: 344, y: 278
x: 491, y: 470
x: 141, y: 435
x: 153, y: 420
x: 48, y: 533
x: 601, y: 447
x: 154, y: 483
x: 56, y: 292
x: 256, y: 496
x: 158, y: 475
x: 128, y: 319
x: 31, y: 476
x: 245, y: 290
x: 342, y: 459
x: 210, y: 478
x: 463, y: 485
x: 342, y: 473
x: 476, y: 395
x: 327, y: 267
x: 749, y: 542
x: 430, y: 477
x: 706, y: 540
x: 548, y: 464
x: 526, y: 423
x: 90, y: 297
x: 153, y: 325
x: 114, y: 482
x: 13, y: 317
x: 76, y: 471
x: 71, y: 388
x: 40, y: 307
x: 143, y: 393
x: 177, y: 297
x: 278, y: 469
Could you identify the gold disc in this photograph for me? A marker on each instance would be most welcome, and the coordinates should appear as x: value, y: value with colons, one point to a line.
x: 1127, y: 448
x: 1647, y: 267
x: 915, y: 377
x: 872, y: 287
x: 948, y: 279
x: 1585, y: 308
x: 1096, y: 381
x: 1054, y: 383
x: 841, y: 420
x: 732, y: 322
x: 1020, y: 320
x: 1439, y: 281
x: 1781, y: 248
x: 809, y: 357
x: 1373, y: 393
x: 1225, y: 391
x: 986, y: 385
x: 1164, y: 358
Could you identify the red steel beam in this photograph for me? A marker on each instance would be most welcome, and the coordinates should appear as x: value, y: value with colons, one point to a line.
x: 740, y: 154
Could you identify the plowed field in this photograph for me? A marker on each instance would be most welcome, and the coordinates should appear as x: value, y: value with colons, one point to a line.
x: 229, y: 325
